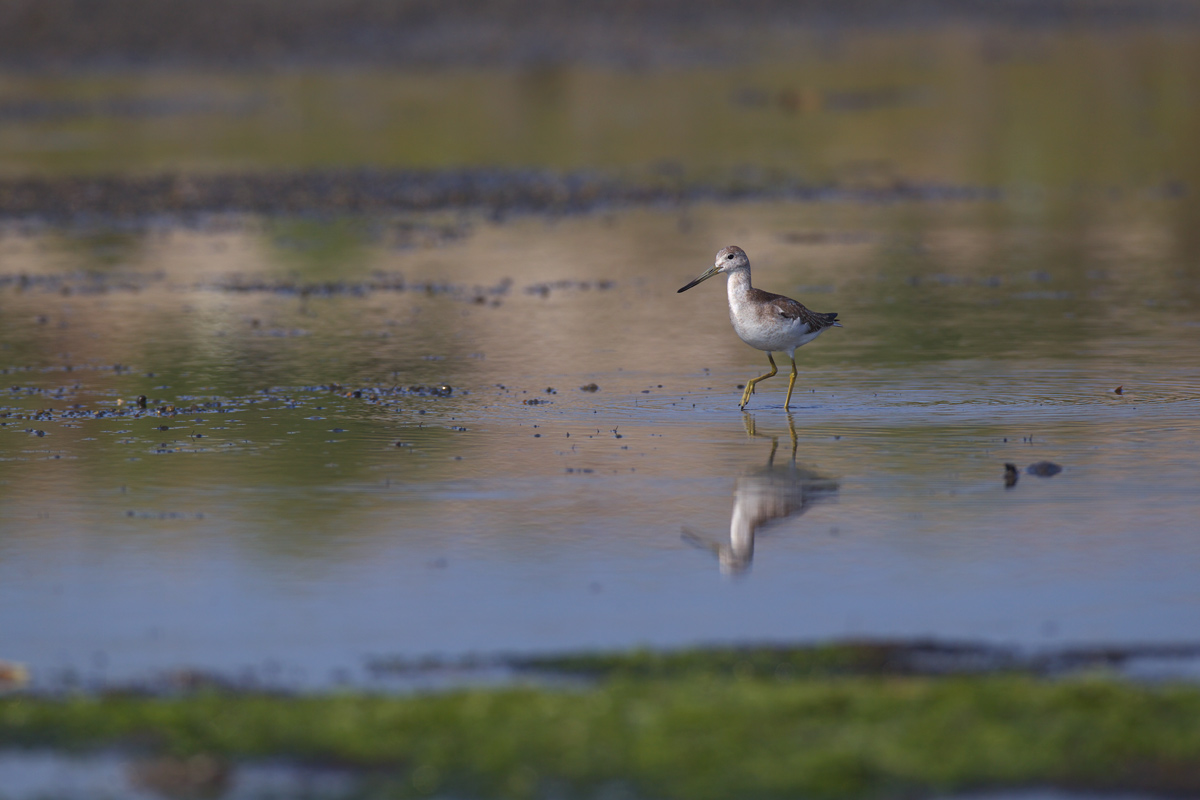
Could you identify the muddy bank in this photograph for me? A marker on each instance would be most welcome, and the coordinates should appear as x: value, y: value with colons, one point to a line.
x: 38, y: 33
x: 373, y: 191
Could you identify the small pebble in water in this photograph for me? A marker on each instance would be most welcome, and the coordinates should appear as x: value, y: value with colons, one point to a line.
x: 1011, y: 475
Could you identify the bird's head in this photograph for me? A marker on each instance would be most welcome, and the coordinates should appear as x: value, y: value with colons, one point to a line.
x: 727, y: 260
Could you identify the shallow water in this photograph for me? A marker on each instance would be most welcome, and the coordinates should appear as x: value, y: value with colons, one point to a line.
x: 37, y: 775
x: 316, y: 499
x: 300, y: 495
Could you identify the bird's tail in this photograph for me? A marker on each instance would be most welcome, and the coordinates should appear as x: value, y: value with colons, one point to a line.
x: 831, y: 320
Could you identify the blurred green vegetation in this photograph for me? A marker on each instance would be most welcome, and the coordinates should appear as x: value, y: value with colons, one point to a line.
x: 700, y: 733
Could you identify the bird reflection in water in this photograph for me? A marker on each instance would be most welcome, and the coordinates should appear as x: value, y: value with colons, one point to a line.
x: 761, y: 497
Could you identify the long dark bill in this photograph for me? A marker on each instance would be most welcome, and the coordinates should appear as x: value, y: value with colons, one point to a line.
x: 701, y: 279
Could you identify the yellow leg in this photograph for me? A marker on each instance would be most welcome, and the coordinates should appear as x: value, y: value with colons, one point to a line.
x: 791, y: 383
x: 750, y: 383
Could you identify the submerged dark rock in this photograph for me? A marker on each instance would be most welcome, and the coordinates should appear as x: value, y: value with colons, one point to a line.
x: 1044, y: 469
x: 1011, y: 475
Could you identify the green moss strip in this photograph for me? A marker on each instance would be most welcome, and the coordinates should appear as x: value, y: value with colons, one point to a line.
x: 696, y: 736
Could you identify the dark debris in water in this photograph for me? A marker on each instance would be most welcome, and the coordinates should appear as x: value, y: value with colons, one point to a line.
x: 81, y: 411
x: 82, y: 283
x: 91, y: 283
x: 852, y: 657
x: 66, y: 404
x: 61, y: 404
x: 1044, y: 469
x: 378, y: 393
x: 1040, y: 469
x: 383, y: 282
x: 380, y: 191
x: 544, y: 289
x: 1011, y: 475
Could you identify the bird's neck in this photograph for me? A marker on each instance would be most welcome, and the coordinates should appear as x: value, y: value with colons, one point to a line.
x: 738, y: 285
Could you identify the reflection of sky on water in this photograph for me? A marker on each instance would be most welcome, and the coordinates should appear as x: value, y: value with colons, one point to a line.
x: 286, y: 531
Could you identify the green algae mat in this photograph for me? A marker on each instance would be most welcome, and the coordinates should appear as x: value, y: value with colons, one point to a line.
x: 686, y: 730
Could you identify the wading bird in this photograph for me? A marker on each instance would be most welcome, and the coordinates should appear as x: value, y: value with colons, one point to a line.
x: 763, y: 320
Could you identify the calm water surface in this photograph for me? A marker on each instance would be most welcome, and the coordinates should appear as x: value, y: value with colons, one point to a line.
x: 37, y: 775
x: 300, y: 495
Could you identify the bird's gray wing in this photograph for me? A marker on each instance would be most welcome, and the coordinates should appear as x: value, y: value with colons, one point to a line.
x: 787, y: 308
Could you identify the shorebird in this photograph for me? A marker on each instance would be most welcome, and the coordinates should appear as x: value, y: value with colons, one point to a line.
x: 763, y: 320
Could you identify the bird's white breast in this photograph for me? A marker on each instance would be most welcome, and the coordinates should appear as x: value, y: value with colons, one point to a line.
x: 762, y: 327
